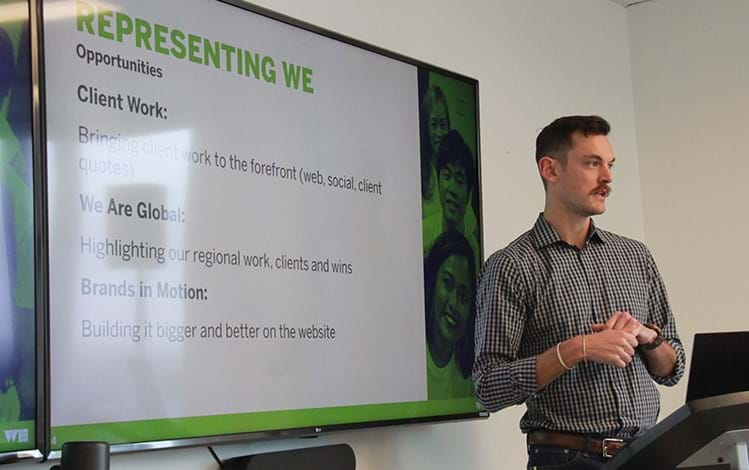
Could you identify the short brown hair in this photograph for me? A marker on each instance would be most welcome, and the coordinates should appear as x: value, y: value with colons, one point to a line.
x: 555, y: 140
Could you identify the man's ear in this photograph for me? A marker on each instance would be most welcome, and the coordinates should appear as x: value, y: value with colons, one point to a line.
x: 549, y: 169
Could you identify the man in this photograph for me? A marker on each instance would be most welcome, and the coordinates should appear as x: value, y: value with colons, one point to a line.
x: 572, y: 320
x: 454, y: 181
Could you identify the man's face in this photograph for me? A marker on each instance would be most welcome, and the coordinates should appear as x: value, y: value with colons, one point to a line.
x: 453, y: 187
x: 452, y: 299
x: 583, y: 184
x: 437, y: 125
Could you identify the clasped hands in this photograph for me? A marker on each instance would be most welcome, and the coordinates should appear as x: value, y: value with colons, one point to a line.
x: 614, y: 342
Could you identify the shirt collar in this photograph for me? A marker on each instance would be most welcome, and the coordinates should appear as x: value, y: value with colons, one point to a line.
x: 544, y: 234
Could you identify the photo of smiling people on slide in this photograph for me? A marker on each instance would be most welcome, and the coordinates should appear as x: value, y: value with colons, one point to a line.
x: 450, y: 230
x: 450, y: 285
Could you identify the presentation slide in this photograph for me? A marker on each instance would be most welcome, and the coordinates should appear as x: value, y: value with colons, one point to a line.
x: 219, y: 212
x: 235, y: 225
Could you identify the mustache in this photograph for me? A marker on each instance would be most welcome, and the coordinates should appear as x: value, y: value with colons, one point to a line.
x: 606, y: 188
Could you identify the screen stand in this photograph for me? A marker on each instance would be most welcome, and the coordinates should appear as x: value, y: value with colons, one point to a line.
x: 334, y: 457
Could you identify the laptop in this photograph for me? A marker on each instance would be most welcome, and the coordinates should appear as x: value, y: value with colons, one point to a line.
x: 720, y: 364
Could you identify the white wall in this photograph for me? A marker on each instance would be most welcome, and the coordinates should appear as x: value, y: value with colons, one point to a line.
x: 690, y: 71
x: 535, y: 60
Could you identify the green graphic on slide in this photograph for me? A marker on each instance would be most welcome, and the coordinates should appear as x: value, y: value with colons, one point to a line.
x: 17, y: 331
x: 183, y: 428
x: 450, y: 230
x: 17, y: 436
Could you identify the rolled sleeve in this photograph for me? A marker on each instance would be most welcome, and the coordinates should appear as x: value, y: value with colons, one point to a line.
x: 500, y: 385
x: 676, y: 375
x: 501, y: 378
x: 660, y: 313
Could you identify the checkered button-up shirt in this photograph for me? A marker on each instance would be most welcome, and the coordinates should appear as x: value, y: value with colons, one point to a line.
x: 539, y: 291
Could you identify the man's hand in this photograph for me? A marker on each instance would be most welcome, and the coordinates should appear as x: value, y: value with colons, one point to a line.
x: 660, y: 361
x: 609, y: 346
x: 623, y: 321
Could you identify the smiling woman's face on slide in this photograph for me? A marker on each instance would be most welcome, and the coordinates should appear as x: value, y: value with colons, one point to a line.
x: 452, y: 298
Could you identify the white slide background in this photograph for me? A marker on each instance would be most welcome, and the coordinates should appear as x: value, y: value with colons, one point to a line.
x: 361, y: 122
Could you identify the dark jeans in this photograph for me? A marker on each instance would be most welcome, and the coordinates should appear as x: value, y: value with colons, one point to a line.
x: 557, y: 458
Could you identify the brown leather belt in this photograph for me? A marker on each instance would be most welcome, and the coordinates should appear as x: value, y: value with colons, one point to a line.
x: 607, y: 447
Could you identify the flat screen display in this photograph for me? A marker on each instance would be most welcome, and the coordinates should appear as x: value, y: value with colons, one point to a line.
x: 254, y: 225
x: 18, y: 406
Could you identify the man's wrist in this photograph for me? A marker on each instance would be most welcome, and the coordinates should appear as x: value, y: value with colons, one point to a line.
x: 657, y: 338
x: 646, y: 336
x: 572, y: 351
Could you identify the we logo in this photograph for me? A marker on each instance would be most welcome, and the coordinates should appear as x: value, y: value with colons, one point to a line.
x: 16, y: 435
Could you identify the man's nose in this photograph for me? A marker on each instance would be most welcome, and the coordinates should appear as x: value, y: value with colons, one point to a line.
x: 606, y: 176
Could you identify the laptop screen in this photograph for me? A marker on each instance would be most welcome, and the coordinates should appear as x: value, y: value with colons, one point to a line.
x: 720, y: 364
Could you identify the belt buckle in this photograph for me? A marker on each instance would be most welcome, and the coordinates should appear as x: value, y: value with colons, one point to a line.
x: 604, y: 445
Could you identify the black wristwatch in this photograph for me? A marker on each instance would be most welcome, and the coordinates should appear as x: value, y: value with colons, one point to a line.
x: 658, y: 339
